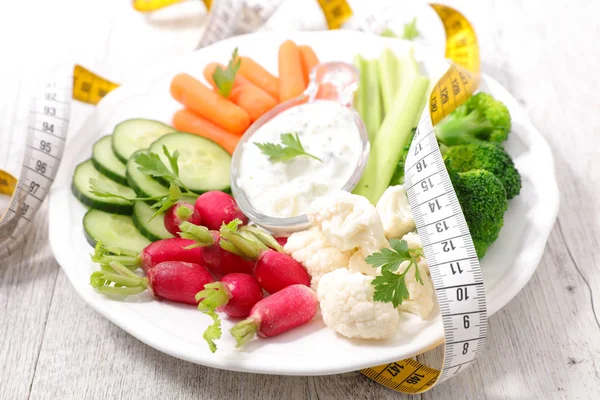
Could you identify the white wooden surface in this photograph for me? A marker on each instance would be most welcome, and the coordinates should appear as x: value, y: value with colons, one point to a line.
x: 545, y: 344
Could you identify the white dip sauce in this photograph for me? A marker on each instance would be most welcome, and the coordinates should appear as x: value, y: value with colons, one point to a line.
x: 326, y: 130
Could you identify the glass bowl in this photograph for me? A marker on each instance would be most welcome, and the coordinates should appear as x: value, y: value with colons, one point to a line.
x: 331, y: 81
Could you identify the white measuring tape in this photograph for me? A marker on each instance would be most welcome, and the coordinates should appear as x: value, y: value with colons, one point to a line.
x: 447, y: 245
x: 45, y: 143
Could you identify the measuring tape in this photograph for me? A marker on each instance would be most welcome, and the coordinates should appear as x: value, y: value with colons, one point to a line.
x: 441, y: 225
x: 447, y: 244
x: 46, y: 137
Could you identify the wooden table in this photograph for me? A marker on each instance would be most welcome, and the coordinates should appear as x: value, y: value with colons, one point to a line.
x: 545, y: 344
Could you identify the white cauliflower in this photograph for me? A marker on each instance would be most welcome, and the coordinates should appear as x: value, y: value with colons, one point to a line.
x: 413, y: 240
x: 318, y: 257
x: 420, y: 301
x: 395, y: 213
x: 347, y: 306
x: 348, y: 221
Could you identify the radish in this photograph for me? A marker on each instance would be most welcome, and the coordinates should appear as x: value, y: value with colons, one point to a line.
x: 235, y: 295
x: 214, y: 257
x: 282, y: 240
x: 173, y: 249
x: 170, y: 280
x: 178, y: 213
x: 289, y: 308
x: 216, y: 208
x: 273, y: 269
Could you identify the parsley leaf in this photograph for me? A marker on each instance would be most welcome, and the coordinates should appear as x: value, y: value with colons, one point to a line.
x: 151, y: 164
x: 166, y: 202
x: 390, y: 286
x: 102, y: 188
x: 410, y: 30
x: 291, y: 148
x: 224, y: 78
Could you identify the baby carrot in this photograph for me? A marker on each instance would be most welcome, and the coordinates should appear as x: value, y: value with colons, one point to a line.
x: 185, y: 120
x: 255, y: 73
x: 291, y: 79
x: 200, y: 99
x: 309, y: 61
x: 245, y: 94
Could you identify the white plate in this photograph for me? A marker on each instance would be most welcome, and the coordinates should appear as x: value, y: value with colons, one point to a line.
x: 312, y: 349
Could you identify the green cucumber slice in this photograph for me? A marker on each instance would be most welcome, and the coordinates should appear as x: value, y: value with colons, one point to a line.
x: 106, y: 161
x: 136, y: 134
x: 203, y: 164
x: 142, y: 184
x: 81, y: 189
x: 153, y: 229
x: 113, y: 230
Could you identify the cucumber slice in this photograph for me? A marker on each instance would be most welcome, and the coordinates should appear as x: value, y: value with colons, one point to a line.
x: 136, y: 134
x: 113, y: 230
x: 106, y: 161
x: 153, y: 230
x: 203, y: 164
x: 81, y: 189
x: 142, y: 184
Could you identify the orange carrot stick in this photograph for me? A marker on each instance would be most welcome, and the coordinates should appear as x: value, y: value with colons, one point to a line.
x: 244, y: 93
x: 309, y: 61
x: 200, y: 99
x: 255, y: 73
x: 291, y: 79
x: 185, y: 120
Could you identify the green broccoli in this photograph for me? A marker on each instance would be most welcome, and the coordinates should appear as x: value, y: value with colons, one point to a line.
x: 480, y: 118
x: 488, y: 156
x: 483, y: 201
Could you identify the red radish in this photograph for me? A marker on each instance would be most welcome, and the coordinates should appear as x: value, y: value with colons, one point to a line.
x: 287, y: 309
x: 216, y: 208
x: 282, y: 240
x: 215, y: 258
x: 273, y: 269
x: 178, y: 213
x: 173, y: 249
x: 170, y: 280
x: 235, y: 295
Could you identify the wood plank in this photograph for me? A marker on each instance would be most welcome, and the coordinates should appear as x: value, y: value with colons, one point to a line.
x: 27, y: 282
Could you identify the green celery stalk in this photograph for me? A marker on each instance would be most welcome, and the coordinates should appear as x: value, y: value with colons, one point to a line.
x: 390, y: 78
x: 394, y: 134
x: 360, y: 93
x: 373, y: 110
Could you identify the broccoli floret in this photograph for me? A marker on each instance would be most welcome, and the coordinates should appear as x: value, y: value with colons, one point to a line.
x: 483, y: 201
x: 488, y: 156
x: 480, y: 118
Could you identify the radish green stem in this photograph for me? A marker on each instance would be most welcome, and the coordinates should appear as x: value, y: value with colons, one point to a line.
x: 249, y: 236
x: 183, y: 213
x: 263, y: 236
x: 123, y: 291
x: 200, y: 234
x: 244, y: 247
x: 214, y: 294
x: 213, y: 332
x: 244, y: 331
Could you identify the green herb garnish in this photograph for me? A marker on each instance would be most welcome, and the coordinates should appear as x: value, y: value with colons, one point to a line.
x: 291, y: 148
x: 391, y: 287
x: 224, y: 78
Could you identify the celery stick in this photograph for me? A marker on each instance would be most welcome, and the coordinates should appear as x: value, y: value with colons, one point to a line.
x: 389, y: 73
x: 394, y: 133
x: 359, y: 94
x: 373, y: 110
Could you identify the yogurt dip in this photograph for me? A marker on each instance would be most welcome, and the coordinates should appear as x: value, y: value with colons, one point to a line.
x: 328, y: 131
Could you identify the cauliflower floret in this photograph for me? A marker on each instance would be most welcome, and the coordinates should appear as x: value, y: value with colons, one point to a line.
x: 347, y: 306
x: 394, y: 210
x: 420, y: 301
x: 413, y: 240
x: 318, y: 257
x: 348, y: 221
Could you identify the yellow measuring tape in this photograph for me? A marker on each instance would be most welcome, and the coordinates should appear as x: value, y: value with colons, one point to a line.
x: 456, y: 85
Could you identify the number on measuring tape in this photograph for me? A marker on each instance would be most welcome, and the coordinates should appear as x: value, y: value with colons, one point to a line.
x: 47, y: 132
